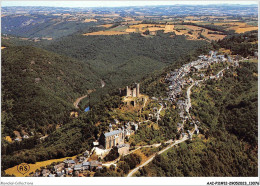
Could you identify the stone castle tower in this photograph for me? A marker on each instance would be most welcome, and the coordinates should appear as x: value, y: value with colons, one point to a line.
x: 133, y: 92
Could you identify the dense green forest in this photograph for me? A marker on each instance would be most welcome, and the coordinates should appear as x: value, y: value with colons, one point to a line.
x: 227, y: 110
x: 123, y: 59
x: 72, y: 138
x: 125, y: 164
x: 39, y: 87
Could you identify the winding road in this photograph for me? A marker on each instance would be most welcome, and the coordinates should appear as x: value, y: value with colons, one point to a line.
x: 132, y: 172
x: 76, y: 103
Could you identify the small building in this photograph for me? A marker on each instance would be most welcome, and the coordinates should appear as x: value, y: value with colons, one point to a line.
x: 51, y: 175
x: 18, y: 139
x: 85, y: 165
x: 25, y: 136
x: 95, y: 165
x: 81, y: 158
x: 45, y: 172
x: 60, y: 173
x: 78, y: 167
x: 69, y: 170
x: 95, y: 143
x: 256, y: 54
x: 86, y: 153
x: 71, y: 163
x: 59, y: 166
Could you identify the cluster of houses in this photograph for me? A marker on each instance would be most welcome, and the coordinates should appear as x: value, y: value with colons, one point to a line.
x: 176, y: 78
x: 69, y: 167
x: 177, y: 82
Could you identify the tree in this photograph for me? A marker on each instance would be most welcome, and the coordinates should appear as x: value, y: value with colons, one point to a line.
x: 124, y: 166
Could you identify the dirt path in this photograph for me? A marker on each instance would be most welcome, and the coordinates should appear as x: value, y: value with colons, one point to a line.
x: 76, y: 103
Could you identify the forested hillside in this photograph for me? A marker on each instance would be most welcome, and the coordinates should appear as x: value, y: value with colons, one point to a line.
x: 121, y: 59
x: 242, y: 44
x: 71, y: 139
x: 40, y: 26
x: 227, y: 145
x: 39, y: 87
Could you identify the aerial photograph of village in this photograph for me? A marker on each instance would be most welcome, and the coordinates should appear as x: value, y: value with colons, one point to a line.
x: 129, y: 90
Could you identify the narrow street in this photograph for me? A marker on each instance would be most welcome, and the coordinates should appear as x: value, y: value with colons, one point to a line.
x: 188, y: 105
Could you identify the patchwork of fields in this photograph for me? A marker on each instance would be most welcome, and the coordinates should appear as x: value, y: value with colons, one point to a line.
x: 192, y: 32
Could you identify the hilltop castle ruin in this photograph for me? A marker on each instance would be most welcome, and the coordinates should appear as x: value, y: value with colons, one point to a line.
x: 133, y: 92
